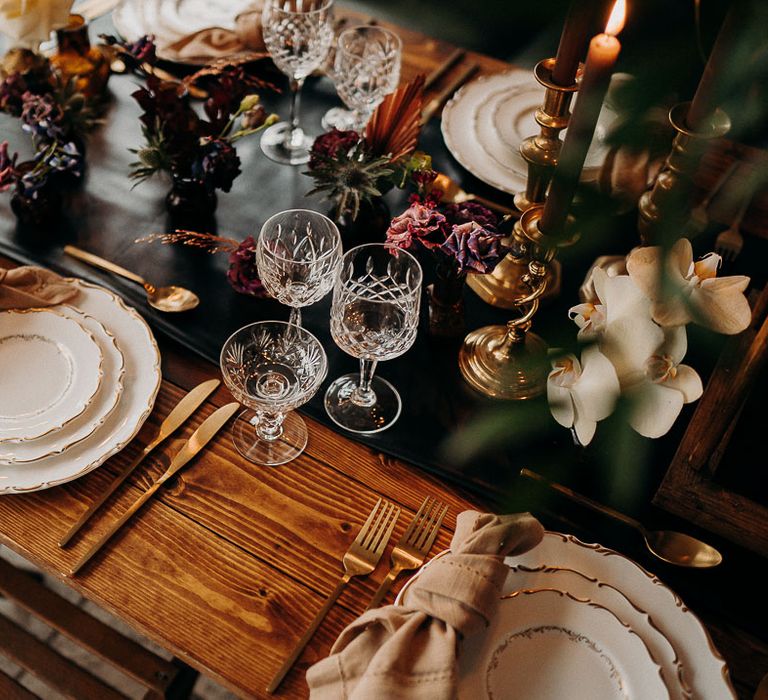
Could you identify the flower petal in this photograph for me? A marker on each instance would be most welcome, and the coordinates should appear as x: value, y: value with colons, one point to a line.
x: 628, y: 343
x: 595, y: 394
x: 624, y: 299
x: 672, y: 311
x: 687, y: 382
x: 584, y: 428
x: 560, y: 403
x: 675, y: 343
x: 723, y: 309
x: 655, y: 409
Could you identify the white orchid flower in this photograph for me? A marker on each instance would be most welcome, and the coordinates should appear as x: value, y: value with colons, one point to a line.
x: 695, y: 292
x: 590, y: 318
x: 581, y: 394
x: 665, y: 386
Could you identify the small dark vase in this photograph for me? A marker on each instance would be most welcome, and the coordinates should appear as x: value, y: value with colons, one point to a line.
x: 40, y: 212
x: 370, y: 225
x: 446, y: 304
x: 191, y: 205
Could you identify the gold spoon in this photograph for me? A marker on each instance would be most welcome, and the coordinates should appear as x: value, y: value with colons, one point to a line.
x: 671, y: 547
x: 455, y: 195
x: 169, y: 299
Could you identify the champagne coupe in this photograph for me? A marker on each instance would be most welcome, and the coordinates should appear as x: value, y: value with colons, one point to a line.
x: 366, y: 69
x: 272, y: 367
x: 298, y: 35
x: 374, y: 316
x: 297, y: 255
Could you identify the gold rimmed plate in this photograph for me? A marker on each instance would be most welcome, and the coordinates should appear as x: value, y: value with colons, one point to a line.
x: 52, y: 369
x: 105, y: 400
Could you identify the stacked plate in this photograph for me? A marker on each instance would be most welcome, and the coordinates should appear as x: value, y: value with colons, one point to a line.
x: 77, y: 384
x: 580, y: 621
x: 486, y: 121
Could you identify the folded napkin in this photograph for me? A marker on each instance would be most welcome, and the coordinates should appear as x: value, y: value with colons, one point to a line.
x: 410, y: 651
x: 28, y: 22
x: 32, y: 287
x: 217, y: 42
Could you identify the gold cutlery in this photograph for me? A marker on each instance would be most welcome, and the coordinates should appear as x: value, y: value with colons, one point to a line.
x: 200, y: 438
x: 455, y: 195
x: 176, y: 418
x: 444, y: 67
x: 414, y: 545
x: 436, y: 104
x: 169, y: 299
x: 361, y: 558
x: 667, y: 545
x: 729, y: 243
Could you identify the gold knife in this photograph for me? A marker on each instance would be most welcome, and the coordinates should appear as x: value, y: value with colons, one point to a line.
x: 176, y: 418
x: 200, y: 438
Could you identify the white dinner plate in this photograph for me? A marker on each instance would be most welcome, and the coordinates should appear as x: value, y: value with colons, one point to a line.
x: 551, y: 645
x: 51, y: 370
x: 141, y: 384
x: 704, y: 672
x: 105, y: 400
x: 607, y: 595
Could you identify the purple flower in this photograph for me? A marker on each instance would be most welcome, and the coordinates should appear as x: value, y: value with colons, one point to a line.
x: 219, y: 165
x: 41, y: 117
x: 465, y: 212
x: 331, y: 145
x: 242, y: 273
x: 143, y: 49
x: 474, y: 248
x: 418, y: 224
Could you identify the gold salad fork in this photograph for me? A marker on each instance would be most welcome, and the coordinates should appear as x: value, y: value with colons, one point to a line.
x: 361, y: 558
x: 414, y: 545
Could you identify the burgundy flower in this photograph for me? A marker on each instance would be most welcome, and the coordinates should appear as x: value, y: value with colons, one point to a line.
x: 219, y: 165
x: 465, y: 212
x: 8, y: 172
x: 329, y: 145
x: 418, y: 224
x: 12, y: 90
x: 242, y: 273
x: 474, y: 248
x: 42, y: 117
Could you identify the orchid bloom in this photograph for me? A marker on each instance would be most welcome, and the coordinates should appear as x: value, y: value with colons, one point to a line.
x: 581, y: 394
x: 695, y: 292
x: 664, y: 387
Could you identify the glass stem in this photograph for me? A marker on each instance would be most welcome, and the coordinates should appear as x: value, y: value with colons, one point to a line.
x: 293, y: 137
x: 363, y: 394
x: 295, y: 317
x: 270, y: 426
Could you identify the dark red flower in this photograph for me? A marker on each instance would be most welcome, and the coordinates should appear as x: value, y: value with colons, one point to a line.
x: 418, y: 224
x: 465, y: 212
x: 330, y: 145
x: 8, y: 172
x: 12, y: 90
x: 474, y: 248
x: 242, y: 273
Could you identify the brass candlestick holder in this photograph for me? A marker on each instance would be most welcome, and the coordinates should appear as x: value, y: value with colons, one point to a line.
x: 510, y: 362
x: 668, y: 204
x: 504, y: 286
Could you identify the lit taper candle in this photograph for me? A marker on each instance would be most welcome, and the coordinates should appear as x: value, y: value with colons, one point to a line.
x: 603, y: 52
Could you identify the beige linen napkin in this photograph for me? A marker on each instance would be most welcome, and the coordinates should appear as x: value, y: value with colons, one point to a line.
x: 28, y: 22
x: 410, y: 651
x: 216, y: 42
x: 31, y: 287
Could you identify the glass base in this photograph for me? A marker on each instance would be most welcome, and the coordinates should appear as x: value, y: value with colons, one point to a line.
x: 286, y: 448
x: 365, y: 419
x: 273, y: 144
x: 338, y: 118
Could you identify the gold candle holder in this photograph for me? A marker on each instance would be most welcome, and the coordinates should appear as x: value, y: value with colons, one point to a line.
x: 669, y: 203
x: 502, y: 287
x: 509, y: 362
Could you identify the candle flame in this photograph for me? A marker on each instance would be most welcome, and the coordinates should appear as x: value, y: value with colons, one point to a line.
x: 616, y: 20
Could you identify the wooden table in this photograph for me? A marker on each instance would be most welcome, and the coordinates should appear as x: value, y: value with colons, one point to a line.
x: 227, y: 565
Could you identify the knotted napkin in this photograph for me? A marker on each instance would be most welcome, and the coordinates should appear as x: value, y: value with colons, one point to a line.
x: 218, y: 42
x: 32, y: 287
x: 410, y: 651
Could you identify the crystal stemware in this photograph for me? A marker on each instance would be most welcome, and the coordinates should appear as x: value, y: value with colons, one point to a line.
x: 366, y: 69
x: 272, y: 367
x: 297, y: 256
x: 374, y: 316
x: 298, y: 35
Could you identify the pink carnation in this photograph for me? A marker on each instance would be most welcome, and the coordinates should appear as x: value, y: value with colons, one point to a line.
x: 417, y: 224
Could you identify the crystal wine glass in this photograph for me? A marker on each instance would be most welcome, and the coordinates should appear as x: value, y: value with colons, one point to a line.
x: 374, y: 316
x: 272, y: 367
x: 366, y: 69
x: 297, y: 256
x: 298, y: 35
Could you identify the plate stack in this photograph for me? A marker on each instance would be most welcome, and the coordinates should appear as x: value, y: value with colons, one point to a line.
x: 486, y: 121
x: 580, y: 621
x: 78, y: 382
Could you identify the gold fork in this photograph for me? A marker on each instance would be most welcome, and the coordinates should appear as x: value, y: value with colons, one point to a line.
x: 361, y: 558
x: 414, y: 545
